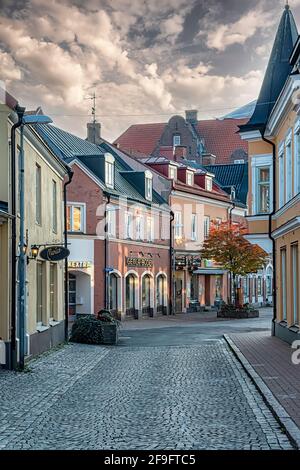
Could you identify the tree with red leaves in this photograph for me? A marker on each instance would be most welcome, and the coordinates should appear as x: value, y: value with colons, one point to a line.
x: 228, y: 247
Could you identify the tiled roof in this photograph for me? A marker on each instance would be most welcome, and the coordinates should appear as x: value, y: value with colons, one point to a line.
x: 69, y: 147
x: 232, y: 175
x: 220, y: 135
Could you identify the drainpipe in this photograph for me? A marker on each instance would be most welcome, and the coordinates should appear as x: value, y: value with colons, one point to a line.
x: 13, y: 340
x: 172, y: 262
x: 66, y: 279
x: 106, y: 292
x: 230, y: 224
x: 270, y: 231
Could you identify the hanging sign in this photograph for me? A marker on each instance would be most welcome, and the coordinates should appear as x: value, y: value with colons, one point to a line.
x: 54, y: 253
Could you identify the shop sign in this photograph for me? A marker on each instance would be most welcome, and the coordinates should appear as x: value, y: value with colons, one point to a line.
x: 79, y: 264
x: 139, y: 262
x: 54, y: 253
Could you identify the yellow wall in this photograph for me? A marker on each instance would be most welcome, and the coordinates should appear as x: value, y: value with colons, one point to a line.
x: 4, y: 282
x: 4, y: 151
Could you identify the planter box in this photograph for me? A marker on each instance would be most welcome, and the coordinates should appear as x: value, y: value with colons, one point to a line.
x: 110, y: 334
x: 238, y: 313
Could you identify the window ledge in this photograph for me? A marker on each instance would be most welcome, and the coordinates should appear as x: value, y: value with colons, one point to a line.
x: 294, y: 328
x: 42, y: 328
x: 53, y: 323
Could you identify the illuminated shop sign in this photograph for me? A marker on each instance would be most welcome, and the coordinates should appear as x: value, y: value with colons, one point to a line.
x: 139, y: 262
x: 79, y: 264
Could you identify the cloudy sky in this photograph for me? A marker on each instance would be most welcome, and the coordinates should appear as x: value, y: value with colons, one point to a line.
x: 145, y: 59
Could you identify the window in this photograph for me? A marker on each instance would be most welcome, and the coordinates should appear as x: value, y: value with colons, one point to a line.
x: 53, y: 292
x: 39, y: 292
x: 239, y: 161
x: 206, y: 226
x: 283, y: 283
x: 297, y: 162
x: 259, y: 285
x: 139, y: 225
x: 295, y: 266
x: 189, y: 178
x: 178, y: 225
x: 194, y: 227
x: 38, y: 194
x: 263, y: 182
x: 72, y: 290
x: 150, y: 229
x: 281, y: 178
x: 208, y: 183
x: 75, y: 218
x: 176, y: 140
x: 148, y: 185
x: 245, y: 286
x: 109, y: 170
x: 111, y: 222
x: 269, y: 281
x: 288, y: 170
x: 128, y: 225
x: 218, y: 221
x: 172, y: 172
x: 54, y: 206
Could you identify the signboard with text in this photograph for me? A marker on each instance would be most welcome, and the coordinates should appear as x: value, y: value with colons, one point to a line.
x: 139, y: 262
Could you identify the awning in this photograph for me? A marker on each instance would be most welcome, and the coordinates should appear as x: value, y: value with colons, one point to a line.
x: 209, y: 271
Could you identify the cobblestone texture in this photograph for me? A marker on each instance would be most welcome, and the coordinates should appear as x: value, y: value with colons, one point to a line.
x: 178, y: 397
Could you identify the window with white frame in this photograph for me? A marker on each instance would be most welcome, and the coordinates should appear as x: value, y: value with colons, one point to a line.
x: 109, y: 170
x: 263, y: 190
x: 148, y: 185
x: 208, y: 183
x: 295, y: 277
x: 297, y: 159
x: 190, y: 178
x: 281, y: 176
x: 172, y: 172
x: 194, y: 227
x: 283, y: 283
x: 239, y: 161
x: 178, y: 225
x: 150, y: 228
x: 76, y: 217
x: 128, y: 224
x: 176, y: 140
x: 111, y: 221
x: 206, y: 226
x: 288, y: 170
x: 38, y: 194
x: 54, y: 206
x: 139, y: 227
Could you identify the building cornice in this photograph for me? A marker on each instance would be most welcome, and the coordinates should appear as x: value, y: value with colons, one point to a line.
x: 204, y: 200
x: 251, y: 136
x: 257, y: 217
x: 287, y: 206
x: 286, y: 228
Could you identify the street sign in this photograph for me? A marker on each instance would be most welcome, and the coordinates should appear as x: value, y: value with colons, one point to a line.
x: 108, y: 270
x: 54, y: 253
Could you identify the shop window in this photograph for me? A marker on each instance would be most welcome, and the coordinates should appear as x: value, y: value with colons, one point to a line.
x: 283, y: 283
x: 39, y: 292
x: 53, y: 291
x: 295, y: 283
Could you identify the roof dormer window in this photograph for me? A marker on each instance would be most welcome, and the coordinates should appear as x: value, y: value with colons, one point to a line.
x: 189, y: 178
x: 172, y: 172
x: 109, y: 170
x: 148, y: 185
x: 208, y: 183
x: 176, y: 140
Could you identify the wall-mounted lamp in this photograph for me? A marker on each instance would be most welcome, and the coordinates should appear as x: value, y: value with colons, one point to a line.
x: 24, y: 248
x: 34, y: 251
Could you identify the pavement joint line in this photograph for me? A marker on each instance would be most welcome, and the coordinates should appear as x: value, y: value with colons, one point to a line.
x: 273, y: 404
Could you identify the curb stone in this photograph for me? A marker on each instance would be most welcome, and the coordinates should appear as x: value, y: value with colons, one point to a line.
x: 273, y: 404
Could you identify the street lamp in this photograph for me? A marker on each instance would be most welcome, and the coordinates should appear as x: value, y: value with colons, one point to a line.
x: 27, y: 119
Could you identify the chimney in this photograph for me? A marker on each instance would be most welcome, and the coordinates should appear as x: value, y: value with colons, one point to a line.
x: 94, y: 133
x: 191, y: 116
x: 208, y: 159
x: 179, y: 153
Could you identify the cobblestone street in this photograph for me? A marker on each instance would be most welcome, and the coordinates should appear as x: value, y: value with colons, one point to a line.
x: 194, y: 396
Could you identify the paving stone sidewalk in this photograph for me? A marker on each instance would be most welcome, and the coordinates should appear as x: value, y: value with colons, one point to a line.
x: 271, y: 358
x: 179, y: 397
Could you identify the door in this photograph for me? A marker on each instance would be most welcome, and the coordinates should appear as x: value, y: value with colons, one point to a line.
x: 146, y: 295
x: 160, y: 294
x: 178, y: 295
x: 113, y: 294
x: 130, y: 288
x: 72, y: 294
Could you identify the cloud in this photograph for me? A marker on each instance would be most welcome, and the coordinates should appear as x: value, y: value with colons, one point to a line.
x: 224, y: 35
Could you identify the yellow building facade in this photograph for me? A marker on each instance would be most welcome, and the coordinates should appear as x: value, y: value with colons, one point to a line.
x: 273, y: 134
x: 44, y: 225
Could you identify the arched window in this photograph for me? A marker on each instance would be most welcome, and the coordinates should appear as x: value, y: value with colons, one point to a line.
x: 130, y: 288
x: 146, y: 294
x: 113, y: 293
x: 161, y: 294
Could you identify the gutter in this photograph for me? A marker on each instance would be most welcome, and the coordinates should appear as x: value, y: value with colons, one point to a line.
x: 172, y: 267
x: 13, y: 306
x: 106, y: 299
x: 66, y: 279
x: 270, y: 231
